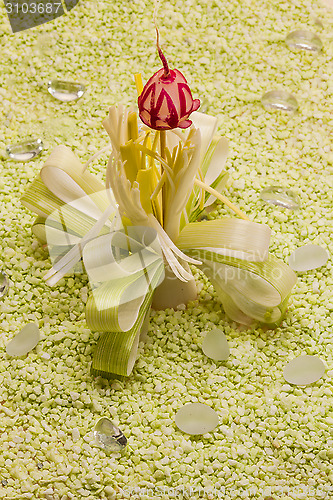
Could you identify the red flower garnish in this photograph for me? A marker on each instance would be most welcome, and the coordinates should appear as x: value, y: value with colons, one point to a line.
x: 166, y: 101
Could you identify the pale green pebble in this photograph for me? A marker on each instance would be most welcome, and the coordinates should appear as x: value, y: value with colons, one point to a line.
x: 157, y: 354
x: 9, y: 252
x: 70, y: 283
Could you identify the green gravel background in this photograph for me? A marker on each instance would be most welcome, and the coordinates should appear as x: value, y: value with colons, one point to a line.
x: 273, y: 439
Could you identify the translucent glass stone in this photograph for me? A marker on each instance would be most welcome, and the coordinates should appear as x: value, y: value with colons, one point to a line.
x: 280, y: 100
x: 4, y: 284
x: 25, y: 151
x: 66, y: 91
x: 108, y: 436
x: 24, y: 341
x: 305, y: 40
x: 280, y: 196
x: 215, y: 345
x: 308, y: 257
x: 304, y: 370
x: 196, y: 418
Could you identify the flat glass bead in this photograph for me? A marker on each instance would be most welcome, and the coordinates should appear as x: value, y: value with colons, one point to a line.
x: 277, y: 195
x: 215, y: 345
x: 26, y: 150
x: 66, y: 91
x: 304, y: 40
x: 279, y: 100
x: 196, y: 418
x: 27, y: 338
x: 308, y: 257
x: 304, y: 370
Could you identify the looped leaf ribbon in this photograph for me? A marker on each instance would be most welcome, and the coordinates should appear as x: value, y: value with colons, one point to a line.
x: 78, y: 218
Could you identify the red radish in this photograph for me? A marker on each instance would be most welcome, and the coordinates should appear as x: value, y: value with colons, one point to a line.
x: 166, y: 101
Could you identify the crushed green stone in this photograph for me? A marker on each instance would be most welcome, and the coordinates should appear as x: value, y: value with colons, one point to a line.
x: 274, y: 440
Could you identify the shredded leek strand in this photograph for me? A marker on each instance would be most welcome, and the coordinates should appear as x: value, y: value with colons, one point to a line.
x: 221, y: 198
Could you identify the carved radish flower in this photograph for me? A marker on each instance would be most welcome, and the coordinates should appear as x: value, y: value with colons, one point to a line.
x: 166, y: 101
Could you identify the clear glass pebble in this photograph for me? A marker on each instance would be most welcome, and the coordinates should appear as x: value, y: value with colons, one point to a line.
x: 308, y: 257
x: 196, y: 418
x: 4, y: 482
x: 66, y: 91
x: 304, y: 40
x: 304, y: 370
x: 40, y: 465
x: 24, y: 341
x: 279, y: 100
x: 280, y: 196
x: 4, y: 284
x: 108, y: 436
x: 215, y: 345
x: 25, y: 151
